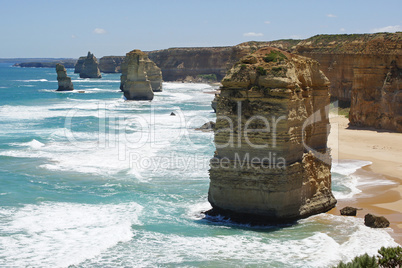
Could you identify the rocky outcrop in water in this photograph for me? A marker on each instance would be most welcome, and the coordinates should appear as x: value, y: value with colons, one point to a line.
x: 111, y: 64
x: 153, y: 72
x: 376, y: 221
x: 271, y: 162
x: 78, y: 64
x: 90, y: 67
x: 134, y: 80
x: 63, y: 80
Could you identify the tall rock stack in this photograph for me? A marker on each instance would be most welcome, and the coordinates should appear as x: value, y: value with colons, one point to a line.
x: 63, y: 80
x: 271, y: 162
x: 153, y: 72
x: 134, y: 80
x: 90, y: 67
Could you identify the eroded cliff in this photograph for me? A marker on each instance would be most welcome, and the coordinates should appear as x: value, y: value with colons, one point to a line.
x: 271, y: 162
x: 111, y: 64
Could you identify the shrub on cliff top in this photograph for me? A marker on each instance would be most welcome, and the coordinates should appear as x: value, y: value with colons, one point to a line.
x: 261, y: 71
x: 274, y: 56
x: 390, y: 257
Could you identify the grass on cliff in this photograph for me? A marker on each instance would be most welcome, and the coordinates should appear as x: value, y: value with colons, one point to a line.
x: 275, y: 56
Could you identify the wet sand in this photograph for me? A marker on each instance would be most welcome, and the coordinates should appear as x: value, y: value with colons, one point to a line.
x: 384, y: 150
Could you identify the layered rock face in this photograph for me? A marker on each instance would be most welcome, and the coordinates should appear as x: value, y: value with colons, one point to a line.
x: 340, y: 55
x: 153, y: 72
x: 63, y: 80
x: 78, y: 64
x: 134, y: 80
x: 111, y: 64
x: 271, y: 162
x: 377, y: 97
x: 90, y: 67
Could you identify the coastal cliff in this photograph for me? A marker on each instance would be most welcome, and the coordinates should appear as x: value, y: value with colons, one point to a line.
x: 191, y: 63
x: 90, y: 67
x: 64, y: 82
x: 111, y: 64
x: 340, y: 55
x: 134, y: 80
x: 271, y: 162
x: 377, y: 97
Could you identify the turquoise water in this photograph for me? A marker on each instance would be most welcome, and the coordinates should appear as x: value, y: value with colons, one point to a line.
x: 90, y: 180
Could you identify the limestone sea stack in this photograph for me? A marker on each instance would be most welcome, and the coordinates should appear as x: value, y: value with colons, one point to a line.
x: 271, y: 162
x: 134, y: 80
x: 90, y: 67
x: 63, y: 80
x: 153, y: 72
x: 78, y: 64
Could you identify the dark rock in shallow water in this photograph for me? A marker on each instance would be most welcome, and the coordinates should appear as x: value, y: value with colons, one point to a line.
x: 348, y: 211
x: 63, y: 80
x: 172, y: 114
x: 90, y: 67
x: 375, y: 221
x: 209, y: 126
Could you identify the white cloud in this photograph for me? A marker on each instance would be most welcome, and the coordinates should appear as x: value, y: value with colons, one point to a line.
x: 331, y: 16
x: 267, y: 22
x: 395, y: 28
x: 99, y: 31
x: 342, y: 30
x: 253, y: 34
x: 73, y: 36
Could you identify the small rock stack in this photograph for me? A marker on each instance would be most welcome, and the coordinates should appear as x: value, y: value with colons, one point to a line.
x: 63, y: 80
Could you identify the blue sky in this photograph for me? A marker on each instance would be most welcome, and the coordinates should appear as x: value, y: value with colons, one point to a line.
x: 72, y: 28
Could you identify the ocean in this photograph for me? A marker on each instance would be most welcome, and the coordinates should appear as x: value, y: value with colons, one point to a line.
x: 90, y: 180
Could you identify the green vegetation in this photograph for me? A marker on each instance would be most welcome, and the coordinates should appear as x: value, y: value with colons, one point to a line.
x: 261, y: 71
x: 364, y: 261
x: 388, y: 258
x: 279, y: 71
x: 209, y: 77
x: 274, y: 56
x: 243, y: 66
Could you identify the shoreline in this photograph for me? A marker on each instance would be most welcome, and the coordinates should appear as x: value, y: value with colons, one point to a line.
x: 383, y: 149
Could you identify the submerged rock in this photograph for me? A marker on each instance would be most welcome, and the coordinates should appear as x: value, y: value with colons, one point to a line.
x: 134, y: 80
x: 63, y: 80
x: 348, y: 211
x: 271, y: 162
x: 375, y: 221
x: 209, y: 126
x: 90, y: 67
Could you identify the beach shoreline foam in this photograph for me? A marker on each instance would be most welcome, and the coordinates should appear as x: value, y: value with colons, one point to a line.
x: 383, y: 149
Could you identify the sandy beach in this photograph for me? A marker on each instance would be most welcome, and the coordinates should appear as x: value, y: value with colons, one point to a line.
x: 384, y: 150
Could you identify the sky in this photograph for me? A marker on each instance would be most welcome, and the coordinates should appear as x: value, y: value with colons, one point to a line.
x: 69, y: 29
